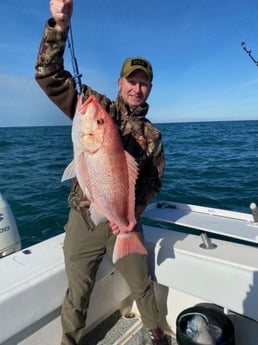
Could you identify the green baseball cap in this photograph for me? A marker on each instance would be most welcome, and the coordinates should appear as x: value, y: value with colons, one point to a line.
x: 132, y: 64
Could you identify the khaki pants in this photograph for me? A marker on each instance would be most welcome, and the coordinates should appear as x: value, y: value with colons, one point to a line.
x: 83, y: 251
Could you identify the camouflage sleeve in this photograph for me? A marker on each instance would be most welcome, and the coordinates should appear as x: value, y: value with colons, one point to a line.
x: 149, y: 182
x: 57, y: 83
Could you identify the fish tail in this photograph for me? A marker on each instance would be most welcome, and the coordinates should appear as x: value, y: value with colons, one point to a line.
x: 126, y: 244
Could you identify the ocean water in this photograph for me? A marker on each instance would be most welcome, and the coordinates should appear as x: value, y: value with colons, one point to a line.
x: 213, y: 164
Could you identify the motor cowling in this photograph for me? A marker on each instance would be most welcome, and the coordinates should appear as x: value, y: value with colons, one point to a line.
x: 10, y: 241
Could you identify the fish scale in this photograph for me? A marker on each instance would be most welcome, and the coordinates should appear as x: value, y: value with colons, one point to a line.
x: 108, y: 187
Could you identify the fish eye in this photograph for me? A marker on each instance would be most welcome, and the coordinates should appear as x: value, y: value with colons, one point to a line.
x: 100, y: 121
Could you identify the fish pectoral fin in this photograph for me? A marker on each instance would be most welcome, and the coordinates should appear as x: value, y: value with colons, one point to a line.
x: 126, y: 244
x: 69, y: 172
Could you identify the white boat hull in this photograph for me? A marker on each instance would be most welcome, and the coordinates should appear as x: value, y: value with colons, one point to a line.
x: 33, y: 284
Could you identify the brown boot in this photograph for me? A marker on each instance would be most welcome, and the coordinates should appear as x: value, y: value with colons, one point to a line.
x: 158, y: 337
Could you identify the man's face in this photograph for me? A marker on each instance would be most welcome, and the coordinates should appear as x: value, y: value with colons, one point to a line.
x: 134, y: 89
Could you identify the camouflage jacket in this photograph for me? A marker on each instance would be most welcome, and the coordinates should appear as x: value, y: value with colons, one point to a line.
x: 139, y: 137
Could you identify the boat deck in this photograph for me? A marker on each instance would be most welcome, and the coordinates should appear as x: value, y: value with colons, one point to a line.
x: 120, y: 330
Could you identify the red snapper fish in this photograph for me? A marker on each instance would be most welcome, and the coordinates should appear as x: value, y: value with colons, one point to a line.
x: 106, y: 174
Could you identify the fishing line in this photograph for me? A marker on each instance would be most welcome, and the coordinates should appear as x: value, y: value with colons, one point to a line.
x: 77, y: 76
x: 248, y: 52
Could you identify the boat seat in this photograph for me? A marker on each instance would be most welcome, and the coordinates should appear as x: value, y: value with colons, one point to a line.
x: 235, y: 225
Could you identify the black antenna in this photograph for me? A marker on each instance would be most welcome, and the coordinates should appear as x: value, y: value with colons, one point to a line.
x: 249, y: 53
x: 77, y: 75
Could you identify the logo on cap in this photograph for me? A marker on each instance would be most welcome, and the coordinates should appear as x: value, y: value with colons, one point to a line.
x: 139, y: 62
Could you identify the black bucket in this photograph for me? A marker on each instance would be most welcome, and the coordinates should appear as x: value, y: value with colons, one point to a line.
x: 204, y: 324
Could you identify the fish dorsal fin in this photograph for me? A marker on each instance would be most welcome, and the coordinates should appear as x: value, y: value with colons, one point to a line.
x: 69, y: 172
x: 132, y: 169
x: 132, y: 175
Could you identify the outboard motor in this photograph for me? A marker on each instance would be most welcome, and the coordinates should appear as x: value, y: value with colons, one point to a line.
x: 10, y: 241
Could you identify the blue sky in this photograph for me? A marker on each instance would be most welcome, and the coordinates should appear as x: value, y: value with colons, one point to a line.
x: 201, y: 72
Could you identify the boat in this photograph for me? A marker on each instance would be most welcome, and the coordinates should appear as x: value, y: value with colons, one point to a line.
x: 197, y: 256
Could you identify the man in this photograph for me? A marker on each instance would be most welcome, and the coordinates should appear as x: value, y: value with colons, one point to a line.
x: 85, y: 244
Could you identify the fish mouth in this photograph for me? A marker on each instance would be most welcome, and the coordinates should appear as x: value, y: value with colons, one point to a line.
x: 86, y: 138
x: 89, y: 143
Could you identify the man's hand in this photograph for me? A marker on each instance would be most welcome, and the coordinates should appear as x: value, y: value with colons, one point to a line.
x: 61, y: 11
x: 114, y: 228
